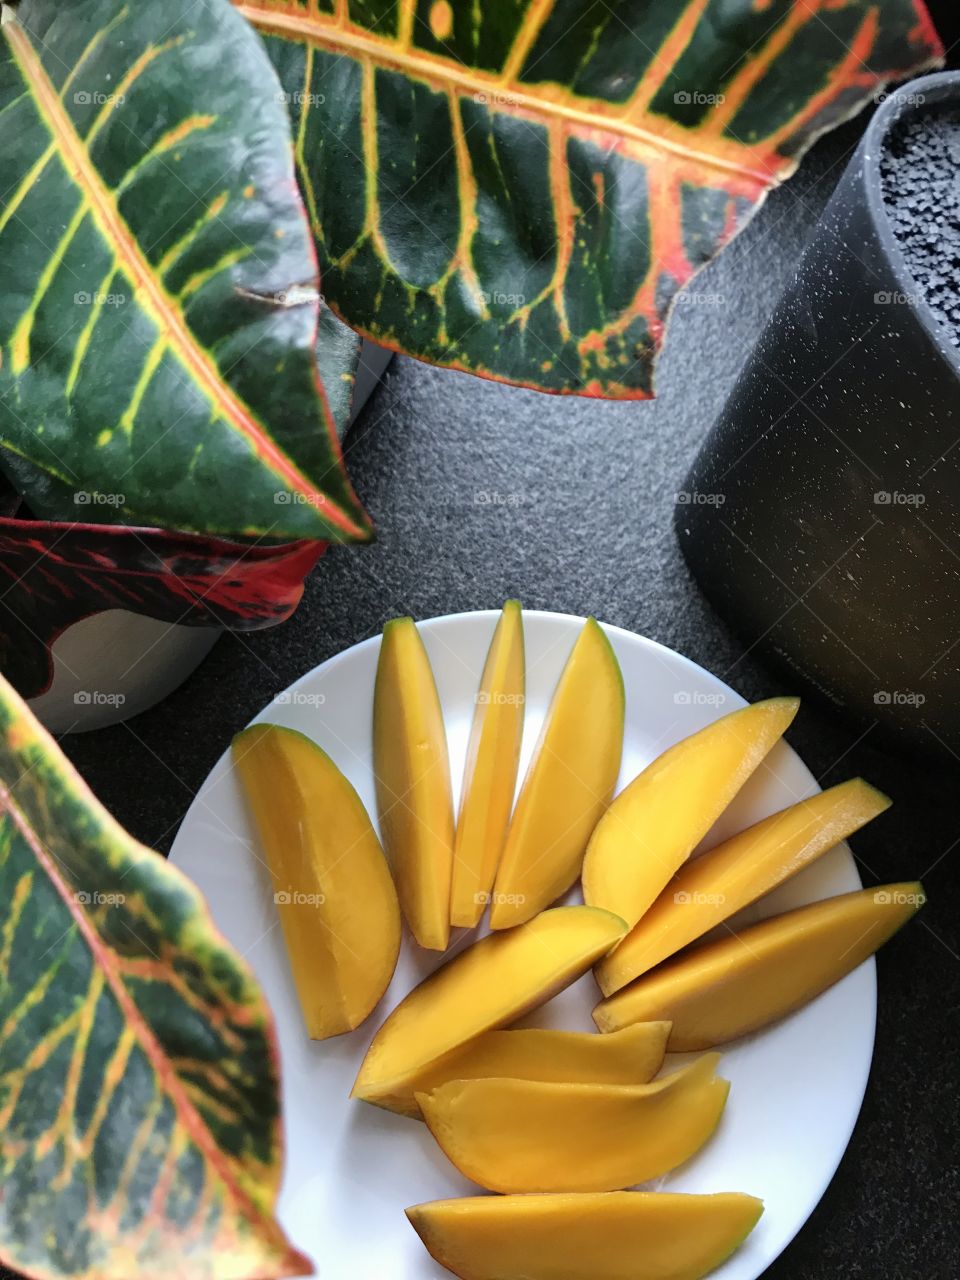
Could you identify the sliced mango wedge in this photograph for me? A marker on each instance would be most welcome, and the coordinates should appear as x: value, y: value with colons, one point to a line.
x: 728, y: 988
x: 658, y: 820
x: 529, y: 1135
x: 490, y: 776
x: 413, y: 782
x: 486, y: 986
x: 569, y: 783
x: 332, y: 886
x: 620, y: 1235
x: 713, y: 887
x: 631, y: 1056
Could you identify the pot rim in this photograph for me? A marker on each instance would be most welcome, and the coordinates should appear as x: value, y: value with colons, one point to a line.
x: 941, y: 86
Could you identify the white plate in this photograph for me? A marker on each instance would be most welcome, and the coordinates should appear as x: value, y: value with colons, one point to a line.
x: 352, y: 1168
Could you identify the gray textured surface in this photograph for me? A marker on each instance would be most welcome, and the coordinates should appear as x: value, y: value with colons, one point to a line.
x: 923, y: 201
x: 481, y: 492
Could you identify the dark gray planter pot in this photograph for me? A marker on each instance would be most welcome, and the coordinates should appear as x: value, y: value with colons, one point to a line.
x: 822, y: 515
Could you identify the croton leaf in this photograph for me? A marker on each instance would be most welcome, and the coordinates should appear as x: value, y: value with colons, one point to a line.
x: 139, y: 1113
x: 53, y: 575
x: 520, y: 189
x: 160, y: 292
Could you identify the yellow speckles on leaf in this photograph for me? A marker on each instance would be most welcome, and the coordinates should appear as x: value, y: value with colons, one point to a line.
x: 441, y: 19
x: 249, y: 191
x: 279, y: 233
x: 105, y: 436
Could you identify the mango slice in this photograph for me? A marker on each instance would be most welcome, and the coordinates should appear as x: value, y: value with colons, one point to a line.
x: 737, y: 872
x: 631, y: 1056
x: 528, y: 1135
x: 486, y: 986
x: 658, y: 820
x: 620, y: 1235
x: 568, y: 786
x: 413, y: 782
x: 332, y: 886
x: 490, y: 776
x: 728, y: 988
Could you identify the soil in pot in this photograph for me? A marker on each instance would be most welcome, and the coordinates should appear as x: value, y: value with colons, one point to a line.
x: 920, y: 173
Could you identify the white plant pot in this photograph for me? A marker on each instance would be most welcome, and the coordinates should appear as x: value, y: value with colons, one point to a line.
x: 115, y: 664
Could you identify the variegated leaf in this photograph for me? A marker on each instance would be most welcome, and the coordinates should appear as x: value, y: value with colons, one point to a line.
x: 520, y: 189
x: 160, y: 301
x: 139, y: 1115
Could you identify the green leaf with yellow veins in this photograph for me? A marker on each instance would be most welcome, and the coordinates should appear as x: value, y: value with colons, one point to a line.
x: 520, y: 189
x: 161, y: 298
x: 139, y: 1111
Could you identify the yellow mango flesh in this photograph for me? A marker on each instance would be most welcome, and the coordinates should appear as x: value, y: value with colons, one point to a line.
x: 631, y: 1056
x: 486, y: 986
x: 526, y: 1135
x: 568, y: 786
x: 719, y: 883
x: 658, y: 820
x: 728, y: 988
x: 336, y: 900
x: 620, y: 1235
x: 490, y: 776
x: 413, y: 782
